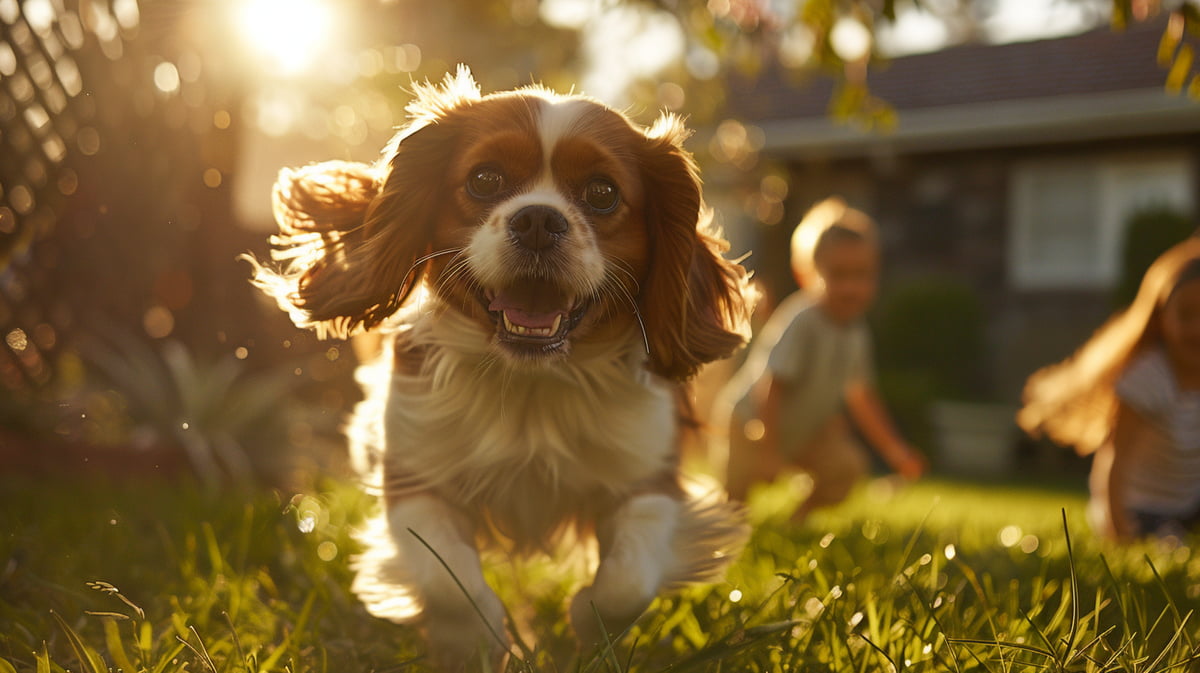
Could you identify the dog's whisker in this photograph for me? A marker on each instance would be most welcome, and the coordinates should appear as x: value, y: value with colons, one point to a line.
x: 622, y: 294
x: 616, y: 264
x: 439, y: 253
x: 453, y: 267
x: 408, y: 275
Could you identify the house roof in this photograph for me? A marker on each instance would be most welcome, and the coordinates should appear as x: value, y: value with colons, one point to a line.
x: 1101, y: 83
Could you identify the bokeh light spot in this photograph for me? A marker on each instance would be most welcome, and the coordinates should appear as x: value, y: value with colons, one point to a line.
x: 327, y: 551
x: 850, y: 39
x: 158, y: 322
x: 166, y: 77
x: 754, y: 429
x: 1029, y: 544
x: 17, y: 340
x: 68, y: 182
x: 1010, y: 535
x: 21, y: 199
x: 89, y: 140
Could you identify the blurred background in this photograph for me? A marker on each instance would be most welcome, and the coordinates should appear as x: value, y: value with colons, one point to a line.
x: 1026, y: 159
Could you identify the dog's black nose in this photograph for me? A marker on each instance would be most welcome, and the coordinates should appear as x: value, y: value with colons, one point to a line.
x: 537, y: 227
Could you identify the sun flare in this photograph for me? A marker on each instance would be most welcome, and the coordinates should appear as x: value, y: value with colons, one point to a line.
x: 290, y: 34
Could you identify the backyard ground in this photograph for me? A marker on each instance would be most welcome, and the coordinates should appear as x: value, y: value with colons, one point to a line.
x: 934, y: 576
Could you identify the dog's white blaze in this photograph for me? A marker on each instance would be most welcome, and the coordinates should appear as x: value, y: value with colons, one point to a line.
x: 557, y: 121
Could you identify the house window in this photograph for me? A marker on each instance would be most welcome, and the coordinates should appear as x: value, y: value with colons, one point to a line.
x: 1068, y: 216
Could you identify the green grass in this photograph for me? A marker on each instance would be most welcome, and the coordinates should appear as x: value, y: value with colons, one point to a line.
x: 931, y: 577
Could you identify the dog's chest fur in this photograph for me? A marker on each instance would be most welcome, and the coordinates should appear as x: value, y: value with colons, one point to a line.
x: 523, y: 448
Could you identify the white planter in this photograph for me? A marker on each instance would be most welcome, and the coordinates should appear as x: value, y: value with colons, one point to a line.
x: 975, y: 439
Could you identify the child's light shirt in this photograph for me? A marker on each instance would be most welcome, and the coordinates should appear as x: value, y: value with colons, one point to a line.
x: 816, y: 358
x: 1164, y: 473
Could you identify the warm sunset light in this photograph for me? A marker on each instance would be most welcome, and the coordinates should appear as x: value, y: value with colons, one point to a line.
x: 691, y: 335
x: 288, y: 33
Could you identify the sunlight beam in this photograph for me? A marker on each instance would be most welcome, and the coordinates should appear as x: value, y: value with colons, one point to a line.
x: 287, y: 34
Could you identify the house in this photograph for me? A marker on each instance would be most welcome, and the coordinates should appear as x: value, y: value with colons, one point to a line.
x: 1012, y: 167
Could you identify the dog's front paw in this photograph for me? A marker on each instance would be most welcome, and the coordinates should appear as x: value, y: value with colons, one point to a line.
x: 597, y: 620
x: 463, y: 638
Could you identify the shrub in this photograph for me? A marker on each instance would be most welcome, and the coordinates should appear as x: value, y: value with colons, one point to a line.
x: 929, y: 343
x: 1149, y: 232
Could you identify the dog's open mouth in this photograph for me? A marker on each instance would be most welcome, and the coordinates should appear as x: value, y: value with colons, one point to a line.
x: 533, y: 316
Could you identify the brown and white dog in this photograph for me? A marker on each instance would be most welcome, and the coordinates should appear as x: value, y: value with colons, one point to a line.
x: 548, y: 280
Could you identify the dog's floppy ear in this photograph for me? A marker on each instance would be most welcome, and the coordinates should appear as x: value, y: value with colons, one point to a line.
x: 352, y: 235
x: 695, y: 304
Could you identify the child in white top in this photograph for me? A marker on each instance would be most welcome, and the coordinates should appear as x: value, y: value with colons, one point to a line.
x: 1131, y: 394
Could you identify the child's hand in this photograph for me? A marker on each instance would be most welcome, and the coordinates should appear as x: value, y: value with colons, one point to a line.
x: 910, y: 463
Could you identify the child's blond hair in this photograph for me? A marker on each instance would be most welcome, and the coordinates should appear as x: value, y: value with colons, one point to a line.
x: 1073, y: 402
x: 826, y: 220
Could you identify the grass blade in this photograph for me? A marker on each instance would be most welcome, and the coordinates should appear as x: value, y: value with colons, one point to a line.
x: 1074, y: 633
x: 1170, y: 600
x: 201, y: 652
x: 461, y: 588
x: 1003, y: 644
x: 116, y: 649
x: 912, y: 542
x: 237, y: 642
x: 87, y: 659
x: 301, y: 621
x: 168, y: 659
x: 43, y: 660
x: 879, y: 649
x: 1171, y: 643
x: 607, y: 653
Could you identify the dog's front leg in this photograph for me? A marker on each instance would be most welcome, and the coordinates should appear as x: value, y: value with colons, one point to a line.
x: 636, y: 555
x: 463, y: 624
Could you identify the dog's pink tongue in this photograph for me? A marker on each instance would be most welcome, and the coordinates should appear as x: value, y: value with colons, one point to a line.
x: 531, y: 304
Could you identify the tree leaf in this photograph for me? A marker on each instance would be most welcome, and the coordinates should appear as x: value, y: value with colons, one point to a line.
x: 1180, y: 69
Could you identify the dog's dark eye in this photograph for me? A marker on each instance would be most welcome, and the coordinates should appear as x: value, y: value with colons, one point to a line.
x: 601, y: 196
x: 484, y: 183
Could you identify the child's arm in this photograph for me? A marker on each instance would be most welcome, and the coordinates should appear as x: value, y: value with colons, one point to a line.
x: 1130, y: 429
x: 770, y: 454
x: 872, y: 419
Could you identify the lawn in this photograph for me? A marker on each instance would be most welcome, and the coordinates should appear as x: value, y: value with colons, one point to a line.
x: 936, y: 576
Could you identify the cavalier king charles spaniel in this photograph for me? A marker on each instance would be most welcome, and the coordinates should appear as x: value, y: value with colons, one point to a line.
x: 547, y: 280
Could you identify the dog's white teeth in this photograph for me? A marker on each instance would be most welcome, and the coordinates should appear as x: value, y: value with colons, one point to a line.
x: 531, y: 331
x: 508, y: 325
